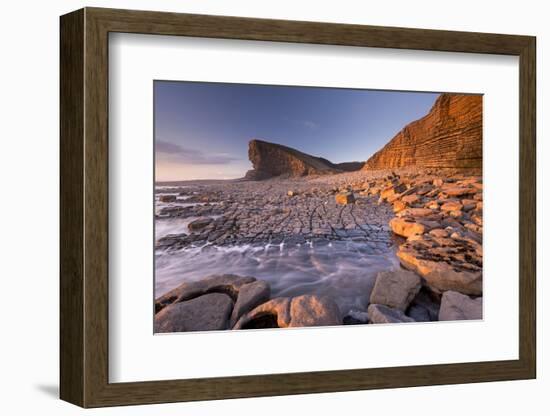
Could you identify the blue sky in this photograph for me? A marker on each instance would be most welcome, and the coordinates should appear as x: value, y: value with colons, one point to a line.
x: 202, y: 130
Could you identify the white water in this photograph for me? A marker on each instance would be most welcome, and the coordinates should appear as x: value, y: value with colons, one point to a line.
x: 345, y: 270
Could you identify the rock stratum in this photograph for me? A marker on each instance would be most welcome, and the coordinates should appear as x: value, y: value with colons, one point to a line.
x: 449, y: 136
x: 274, y: 160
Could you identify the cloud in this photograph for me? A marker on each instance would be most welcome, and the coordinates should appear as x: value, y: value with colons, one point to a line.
x: 310, y: 124
x: 176, y: 153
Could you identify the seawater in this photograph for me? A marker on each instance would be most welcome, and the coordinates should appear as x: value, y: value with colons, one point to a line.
x: 344, y: 270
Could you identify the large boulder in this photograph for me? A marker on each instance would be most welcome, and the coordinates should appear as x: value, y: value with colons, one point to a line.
x: 457, y: 307
x: 381, y: 314
x: 310, y: 310
x: 227, y: 283
x: 272, y: 314
x: 209, y: 312
x: 395, y: 289
x: 300, y: 311
x: 250, y: 296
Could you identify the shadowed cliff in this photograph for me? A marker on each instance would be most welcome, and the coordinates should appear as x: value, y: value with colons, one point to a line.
x: 272, y: 160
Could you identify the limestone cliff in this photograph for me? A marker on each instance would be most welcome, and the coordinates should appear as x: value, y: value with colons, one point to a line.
x: 449, y: 136
x: 272, y: 160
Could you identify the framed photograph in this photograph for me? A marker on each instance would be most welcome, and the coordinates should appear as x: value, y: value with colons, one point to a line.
x: 257, y: 207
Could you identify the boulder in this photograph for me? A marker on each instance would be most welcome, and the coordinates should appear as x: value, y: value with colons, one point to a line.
x: 439, y: 232
x: 168, y: 198
x: 458, y: 190
x: 344, y: 198
x: 451, y: 206
x: 250, y: 296
x: 209, y: 312
x: 300, y: 311
x: 406, y: 227
x: 199, y: 224
x: 416, y: 212
x: 456, y: 307
x: 399, y: 206
x: 419, y: 314
x: 225, y: 283
x: 395, y: 289
x: 310, y: 310
x: 410, y: 199
x: 272, y: 314
x: 381, y: 314
x: 356, y: 317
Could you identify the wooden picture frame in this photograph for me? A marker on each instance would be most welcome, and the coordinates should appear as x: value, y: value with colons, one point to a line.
x: 84, y: 207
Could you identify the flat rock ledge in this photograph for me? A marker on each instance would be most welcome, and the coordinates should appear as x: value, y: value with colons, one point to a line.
x: 442, y: 221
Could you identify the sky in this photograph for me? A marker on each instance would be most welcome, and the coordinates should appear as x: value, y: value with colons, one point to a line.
x: 202, y: 129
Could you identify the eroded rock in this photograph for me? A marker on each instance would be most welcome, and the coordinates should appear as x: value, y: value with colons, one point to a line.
x: 250, y: 296
x: 381, y: 314
x: 456, y: 307
x: 226, y: 283
x: 208, y: 312
x: 406, y: 227
x: 395, y: 289
x: 300, y: 311
x: 439, y: 270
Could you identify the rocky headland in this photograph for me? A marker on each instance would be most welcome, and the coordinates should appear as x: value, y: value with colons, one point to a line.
x: 420, y: 199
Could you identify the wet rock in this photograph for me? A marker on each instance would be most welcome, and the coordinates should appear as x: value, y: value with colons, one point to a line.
x: 168, y: 198
x: 406, y: 227
x: 199, y: 224
x: 381, y: 314
x: 356, y: 317
x: 395, y: 289
x: 345, y: 198
x: 171, y: 240
x: 226, y: 283
x: 456, y: 306
x: 419, y: 314
x: 250, y: 296
x: 425, y: 302
x: 209, y: 312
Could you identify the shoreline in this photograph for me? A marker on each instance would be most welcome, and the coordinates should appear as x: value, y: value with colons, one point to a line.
x: 436, y: 212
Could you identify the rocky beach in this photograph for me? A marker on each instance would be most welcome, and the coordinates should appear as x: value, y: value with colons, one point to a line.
x: 301, y: 241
